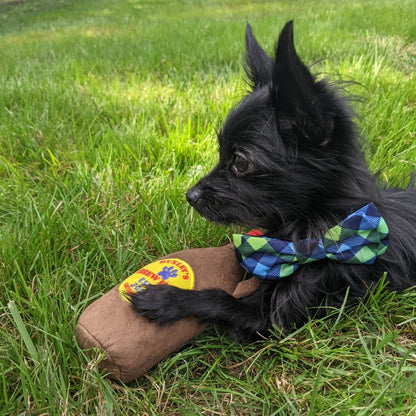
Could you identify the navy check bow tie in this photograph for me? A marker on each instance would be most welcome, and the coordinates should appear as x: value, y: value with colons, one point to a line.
x: 359, y: 239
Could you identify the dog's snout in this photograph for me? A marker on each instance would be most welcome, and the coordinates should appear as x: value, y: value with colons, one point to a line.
x: 193, y: 195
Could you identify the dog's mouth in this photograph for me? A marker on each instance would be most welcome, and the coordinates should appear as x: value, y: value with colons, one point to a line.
x: 207, y: 206
x: 220, y: 208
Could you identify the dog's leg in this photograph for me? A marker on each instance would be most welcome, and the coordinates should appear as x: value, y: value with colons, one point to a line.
x: 243, y: 318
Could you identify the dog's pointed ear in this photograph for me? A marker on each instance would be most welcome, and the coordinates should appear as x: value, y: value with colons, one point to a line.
x: 292, y: 81
x: 293, y: 91
x: 259, y: 65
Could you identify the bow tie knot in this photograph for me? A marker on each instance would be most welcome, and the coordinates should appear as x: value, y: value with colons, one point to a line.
x: 358, y: 239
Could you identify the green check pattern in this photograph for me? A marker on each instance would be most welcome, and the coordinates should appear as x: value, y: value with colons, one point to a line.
x: 359, y: 239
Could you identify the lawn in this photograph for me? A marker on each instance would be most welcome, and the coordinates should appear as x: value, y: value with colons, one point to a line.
x: 108, y: 113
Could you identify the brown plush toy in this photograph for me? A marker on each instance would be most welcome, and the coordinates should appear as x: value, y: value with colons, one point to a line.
x: 133, y: 344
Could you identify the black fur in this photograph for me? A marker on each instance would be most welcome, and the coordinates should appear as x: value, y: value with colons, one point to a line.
x: 290, y: 163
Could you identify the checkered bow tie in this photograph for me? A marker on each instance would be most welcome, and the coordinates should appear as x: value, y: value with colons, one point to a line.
x: 358, y: 239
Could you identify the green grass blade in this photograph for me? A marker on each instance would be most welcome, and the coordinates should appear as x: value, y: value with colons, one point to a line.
x: 17, y: 319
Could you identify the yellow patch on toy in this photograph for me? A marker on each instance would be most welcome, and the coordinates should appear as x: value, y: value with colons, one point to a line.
x: 174, y: 272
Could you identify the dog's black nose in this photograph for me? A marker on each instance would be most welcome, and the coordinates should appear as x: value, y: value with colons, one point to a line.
x: 193, y: 195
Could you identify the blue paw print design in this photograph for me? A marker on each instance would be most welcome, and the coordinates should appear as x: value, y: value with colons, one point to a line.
x: 168, y: 273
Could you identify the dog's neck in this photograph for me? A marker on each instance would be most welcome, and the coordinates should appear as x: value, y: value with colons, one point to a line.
x: 319, y: 218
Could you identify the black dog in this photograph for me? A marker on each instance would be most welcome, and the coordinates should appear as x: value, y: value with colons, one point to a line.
x: 290, y: 164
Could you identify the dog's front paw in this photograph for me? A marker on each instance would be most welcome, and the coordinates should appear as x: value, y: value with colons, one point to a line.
x: 162, y: 304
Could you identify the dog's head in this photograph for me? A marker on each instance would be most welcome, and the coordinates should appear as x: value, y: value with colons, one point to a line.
x: 278, y: 148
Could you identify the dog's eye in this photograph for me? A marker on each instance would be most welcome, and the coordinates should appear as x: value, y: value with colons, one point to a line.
x: 240, y: 164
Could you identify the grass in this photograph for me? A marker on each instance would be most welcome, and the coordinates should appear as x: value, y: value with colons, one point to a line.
x: 108, y: 113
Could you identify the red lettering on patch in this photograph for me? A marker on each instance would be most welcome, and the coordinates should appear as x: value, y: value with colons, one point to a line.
x: 127, y: 288
x: 149, y: 274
